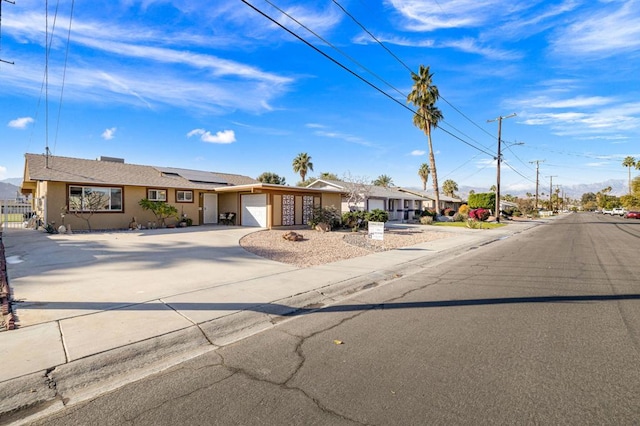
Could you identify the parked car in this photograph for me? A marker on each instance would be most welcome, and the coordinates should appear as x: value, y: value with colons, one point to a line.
x: 606, y: 211
x: 632, y: 215
x: 618, y: 211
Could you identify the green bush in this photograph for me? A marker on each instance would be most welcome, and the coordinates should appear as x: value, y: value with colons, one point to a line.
x: 354, y: 220
x: 328, y: 215
x: 485, y: 200
x: 377, y: 215
x: 426, y: 220
x: 459, y: 217
x: 160, y: 209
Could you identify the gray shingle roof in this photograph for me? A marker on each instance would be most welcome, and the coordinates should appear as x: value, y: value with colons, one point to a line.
x: 77, y: 170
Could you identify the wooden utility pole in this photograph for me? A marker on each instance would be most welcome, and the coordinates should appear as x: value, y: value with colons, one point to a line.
x: 537, y: 177
x: 498, y: 161
x: 551, y: 193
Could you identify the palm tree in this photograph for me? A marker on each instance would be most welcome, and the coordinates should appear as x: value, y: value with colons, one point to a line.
x: 493, y: 188
x: 449, y: 187
x: 424, y: 96
x: 629, y: 162
x: 383, y: 180
x: 302, y: 164
x: 423, y: 172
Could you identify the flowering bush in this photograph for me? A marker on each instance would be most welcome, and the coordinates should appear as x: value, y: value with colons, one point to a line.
x: 479, y: 214
x: 464, y: 209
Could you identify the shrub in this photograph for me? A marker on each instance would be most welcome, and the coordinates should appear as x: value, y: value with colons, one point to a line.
x: 160, y: 209
x: 459, y: 217
x: 486, y: 200
x: 479, y: 214
x: 354, y: 220
x: 377, y: 215
x: 428, y: 212
x: 449, y: 212
x: 328, y: 215
x: 464, y: 209
x: 426, y: 220
x: 474, y: 224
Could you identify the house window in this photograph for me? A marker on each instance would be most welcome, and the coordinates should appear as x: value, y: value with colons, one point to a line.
x: 157, y: 194
x: 184, y: 196
x: 95, y: 199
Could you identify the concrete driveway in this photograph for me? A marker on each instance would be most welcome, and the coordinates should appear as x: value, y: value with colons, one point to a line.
x: 55, y: 277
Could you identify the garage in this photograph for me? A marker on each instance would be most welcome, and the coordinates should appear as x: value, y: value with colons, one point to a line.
x: 254, y: 210
x: 376, y: 204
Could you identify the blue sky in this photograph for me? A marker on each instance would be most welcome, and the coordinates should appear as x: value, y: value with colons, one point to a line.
x: 218, y: 86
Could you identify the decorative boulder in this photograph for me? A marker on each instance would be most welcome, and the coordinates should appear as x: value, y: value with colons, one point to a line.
x: 292, y: 236
x: 323, y: 227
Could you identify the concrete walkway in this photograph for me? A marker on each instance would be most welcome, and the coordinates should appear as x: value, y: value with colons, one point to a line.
x: 96, y: 311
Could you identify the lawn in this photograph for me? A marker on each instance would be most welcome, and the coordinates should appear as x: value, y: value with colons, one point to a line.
x: 485, y: 225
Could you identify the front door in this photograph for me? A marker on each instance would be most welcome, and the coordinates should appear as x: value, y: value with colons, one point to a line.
x: 210, y: 208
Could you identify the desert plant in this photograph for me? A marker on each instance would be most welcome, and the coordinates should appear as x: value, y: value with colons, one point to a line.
x: 354, y: 219
x: 328, y: 215
x: 459, y: 217
x: 426, y: 220
x: 377, y: 215
x: 160, y: 209
x: 474, y: 224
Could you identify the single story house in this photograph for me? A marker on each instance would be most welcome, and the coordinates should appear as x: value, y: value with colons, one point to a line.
x: 400, y: 205
x: 63, y: 190
x: 446, y: 202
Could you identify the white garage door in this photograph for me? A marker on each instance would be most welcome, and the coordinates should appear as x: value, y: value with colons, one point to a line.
x: 376, y: 204
x: 254, y: 210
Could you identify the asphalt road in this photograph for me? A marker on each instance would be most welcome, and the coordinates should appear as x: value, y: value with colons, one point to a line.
x: 539, y: 328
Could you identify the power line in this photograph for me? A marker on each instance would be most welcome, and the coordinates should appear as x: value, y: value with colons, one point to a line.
x: 406, y: 66
x: 364, y: 80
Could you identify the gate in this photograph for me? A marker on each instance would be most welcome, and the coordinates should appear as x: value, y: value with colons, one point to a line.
x: 15, y: 214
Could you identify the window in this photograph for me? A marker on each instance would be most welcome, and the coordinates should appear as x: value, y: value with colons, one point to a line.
x: 157, y: 194
x: 94, y: 199
x: 184, y: 196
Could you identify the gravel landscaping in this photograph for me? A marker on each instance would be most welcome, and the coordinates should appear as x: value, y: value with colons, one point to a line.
x: 318, y: 248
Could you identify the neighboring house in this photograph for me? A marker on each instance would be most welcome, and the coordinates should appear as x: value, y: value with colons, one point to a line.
x: 62, y: 185
x: 446, y: 202
x: 400, y: 205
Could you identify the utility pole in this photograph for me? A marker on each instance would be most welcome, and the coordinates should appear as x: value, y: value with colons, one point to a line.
x: 498, y: 160
x: 2, y: 1
x: 551, y: 192
x: 537, y: 177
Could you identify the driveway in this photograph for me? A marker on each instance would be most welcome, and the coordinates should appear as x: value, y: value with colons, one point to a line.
x: 54, y: 277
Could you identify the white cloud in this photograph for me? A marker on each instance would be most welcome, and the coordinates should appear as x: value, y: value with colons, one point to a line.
x: 604, y: 33
x: 108, y: 134
x: 20, y: 123
x: 3, y: 172
x: 222, y: 137
x: 418, y: 152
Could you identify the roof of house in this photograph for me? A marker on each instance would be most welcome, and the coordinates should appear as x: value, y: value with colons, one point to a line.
x: 373, y: 190
x: 431, y: 196
x: 115, y: 172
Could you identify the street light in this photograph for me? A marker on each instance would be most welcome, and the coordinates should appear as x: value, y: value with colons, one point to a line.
x: 499, y: 159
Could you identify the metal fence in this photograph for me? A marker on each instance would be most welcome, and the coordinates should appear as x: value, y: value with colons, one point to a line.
x: 15, y: 214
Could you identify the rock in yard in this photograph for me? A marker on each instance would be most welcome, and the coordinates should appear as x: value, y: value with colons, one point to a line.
x: 292, y: 236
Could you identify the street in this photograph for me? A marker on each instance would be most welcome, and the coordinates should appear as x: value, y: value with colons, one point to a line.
x: 539, y: 328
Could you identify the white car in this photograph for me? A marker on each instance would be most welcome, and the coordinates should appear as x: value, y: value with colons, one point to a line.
x: 605, y: 211
x: 618, y: 211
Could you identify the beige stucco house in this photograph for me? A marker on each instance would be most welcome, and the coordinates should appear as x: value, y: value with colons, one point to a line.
x: 401, y: 206
x: 446, y: 202
x: 62, y: 188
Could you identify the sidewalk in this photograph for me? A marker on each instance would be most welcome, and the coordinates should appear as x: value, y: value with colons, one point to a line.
x: 96, y: 311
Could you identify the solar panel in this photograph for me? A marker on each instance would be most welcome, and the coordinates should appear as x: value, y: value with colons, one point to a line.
x: 193, y: 175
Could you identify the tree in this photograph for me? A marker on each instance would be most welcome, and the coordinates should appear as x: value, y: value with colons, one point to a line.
x: 449, y: 187
x: 87, y: 204
x: 269, y: 177
x: 356, y: 190
x: 328, y: 176
x: 493, y: 188
x: 302, y: 164
x: 160, y: 209
x: 423, y: 172
x: 424, y: 96
x: 384, y: 181
x: 630, y: 162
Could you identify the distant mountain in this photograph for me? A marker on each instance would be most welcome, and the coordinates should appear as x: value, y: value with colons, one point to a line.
x: 8, y: 191
x: 618, y: 188
x: 12, y: 181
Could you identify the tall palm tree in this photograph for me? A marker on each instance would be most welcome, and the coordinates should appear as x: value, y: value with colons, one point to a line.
x: 383, y: 180
x: 493, y: 188
x: 302, y: 164
x: 629, y: 162
x: 424, y: 96
x: 449, y: 187
x: 423, y: 172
